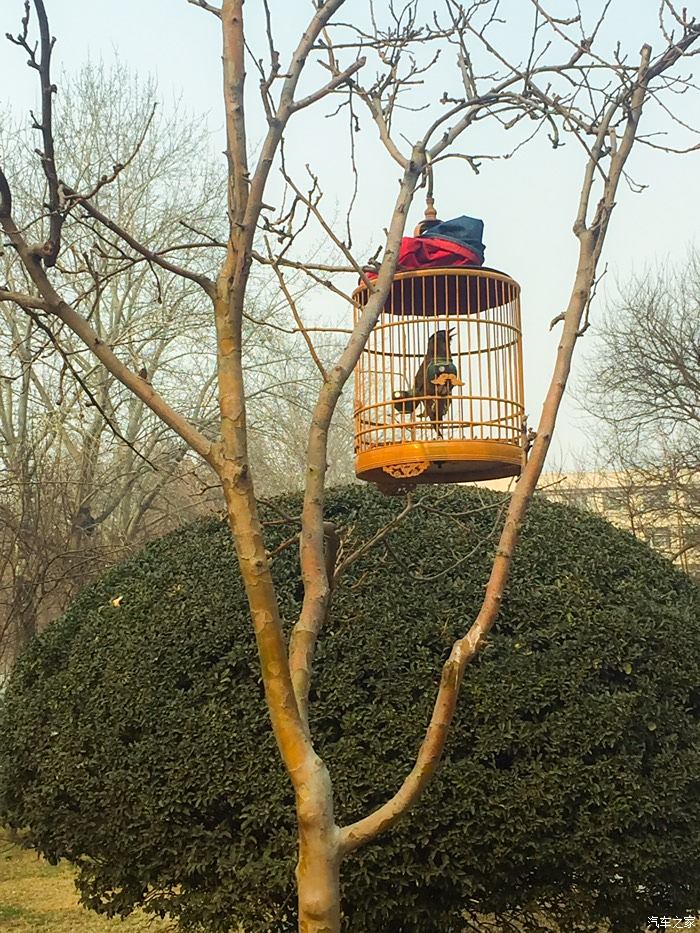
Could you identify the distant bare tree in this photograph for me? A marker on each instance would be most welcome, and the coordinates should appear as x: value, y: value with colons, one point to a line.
x: 87, y: 470
x: 643, y: 384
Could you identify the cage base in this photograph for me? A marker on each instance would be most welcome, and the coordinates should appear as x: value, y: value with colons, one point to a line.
x: 439, y: 461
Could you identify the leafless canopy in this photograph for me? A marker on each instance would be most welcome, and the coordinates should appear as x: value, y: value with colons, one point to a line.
x: 643, y: 384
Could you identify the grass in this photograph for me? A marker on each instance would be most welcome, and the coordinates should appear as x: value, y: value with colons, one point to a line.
x: 36, y: 897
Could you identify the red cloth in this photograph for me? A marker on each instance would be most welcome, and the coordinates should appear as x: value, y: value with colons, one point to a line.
x: 422, y: 252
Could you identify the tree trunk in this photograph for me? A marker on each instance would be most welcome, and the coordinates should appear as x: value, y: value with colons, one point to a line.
x: 318, y: 867
x: 23, y: 613
x: 318, y: 885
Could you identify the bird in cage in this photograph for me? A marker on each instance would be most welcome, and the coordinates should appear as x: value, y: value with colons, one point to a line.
x: 433, y: 383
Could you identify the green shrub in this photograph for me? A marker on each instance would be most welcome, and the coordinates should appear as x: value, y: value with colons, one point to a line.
x: 134, y: 739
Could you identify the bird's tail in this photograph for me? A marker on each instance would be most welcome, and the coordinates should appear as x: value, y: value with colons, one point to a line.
x: 404, y: 402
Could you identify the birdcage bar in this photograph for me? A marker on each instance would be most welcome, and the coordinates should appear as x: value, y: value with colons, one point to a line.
x: 474, y: 429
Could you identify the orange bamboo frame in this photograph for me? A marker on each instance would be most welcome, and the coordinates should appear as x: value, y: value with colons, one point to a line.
x: 480, y: 435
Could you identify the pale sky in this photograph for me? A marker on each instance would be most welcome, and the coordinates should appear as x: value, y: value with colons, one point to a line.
x: 527, y: 203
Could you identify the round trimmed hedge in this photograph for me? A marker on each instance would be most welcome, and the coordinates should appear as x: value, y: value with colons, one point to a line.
x: 134, y: 739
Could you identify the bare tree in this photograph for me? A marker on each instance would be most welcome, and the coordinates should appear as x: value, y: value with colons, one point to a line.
x: 85, y: 465
x: 643, y: 384
x: 561, y: 84
x: 88, y: 471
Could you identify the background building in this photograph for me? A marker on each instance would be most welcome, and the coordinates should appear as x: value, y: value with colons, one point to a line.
x: 666, y: 515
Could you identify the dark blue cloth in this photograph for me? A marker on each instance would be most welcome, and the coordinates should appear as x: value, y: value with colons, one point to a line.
x: 468, y: 231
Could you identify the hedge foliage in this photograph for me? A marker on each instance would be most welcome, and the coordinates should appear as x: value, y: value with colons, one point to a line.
x: 134, y: 739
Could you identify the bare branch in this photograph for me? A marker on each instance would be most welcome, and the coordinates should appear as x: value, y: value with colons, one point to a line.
x: 312, y: 205
x: 359, y: 552
x: 337, y: 81
x: 86, y: 388
x: 316, y: 586
x: 150, y: 255
x: 300, y: 324
x: 24, y: 301
x: 207, y: 6
x: 56, y: 306
x: 119, y: 167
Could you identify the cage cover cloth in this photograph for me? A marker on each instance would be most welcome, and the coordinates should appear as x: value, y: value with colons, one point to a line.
x: 447, y: 243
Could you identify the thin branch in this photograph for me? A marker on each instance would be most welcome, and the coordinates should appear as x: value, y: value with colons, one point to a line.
x: 300, y: 324
x: 50, y: 249
x: 86, y: 388
x: 302, y: 266
x: 317, y: 589
x: 359, y: 552
x: 150, y: 255
x: 313, y: 207
x: 336, y: 82
x: 119, y: 167
x: 24, y: 301
x: 206, y: 6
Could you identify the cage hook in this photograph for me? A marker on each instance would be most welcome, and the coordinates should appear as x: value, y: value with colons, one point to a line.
x: 430, y: 212
x: 430, y: 217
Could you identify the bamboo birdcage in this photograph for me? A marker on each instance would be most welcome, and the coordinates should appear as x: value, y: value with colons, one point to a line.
x: 475, y: 432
